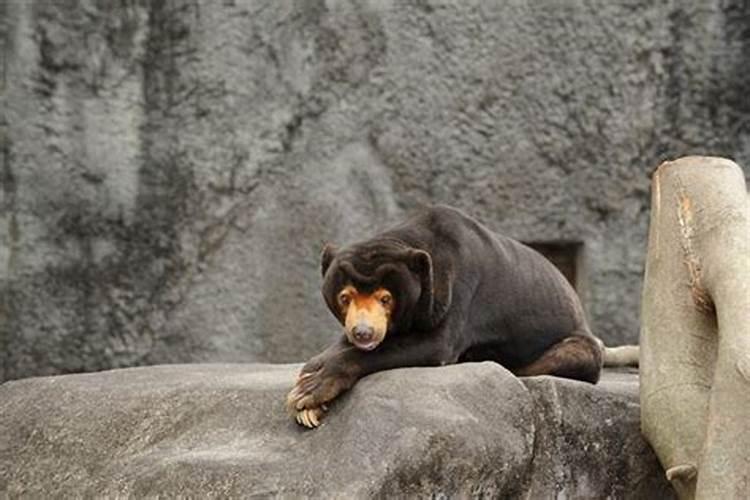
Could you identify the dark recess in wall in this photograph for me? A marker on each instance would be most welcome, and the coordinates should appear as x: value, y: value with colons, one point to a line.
x: 563, y: 254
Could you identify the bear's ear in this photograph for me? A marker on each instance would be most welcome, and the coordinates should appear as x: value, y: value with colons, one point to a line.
x: 436, y: 288
x: 421, y: 263
x: 326, y: 256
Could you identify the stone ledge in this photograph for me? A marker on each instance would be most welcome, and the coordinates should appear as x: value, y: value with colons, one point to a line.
x: 221, y: 430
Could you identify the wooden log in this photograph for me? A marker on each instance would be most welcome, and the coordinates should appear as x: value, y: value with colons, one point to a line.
x: 695, y: 334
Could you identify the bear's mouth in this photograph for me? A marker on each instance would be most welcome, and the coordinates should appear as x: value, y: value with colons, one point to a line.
x: 366, y: 346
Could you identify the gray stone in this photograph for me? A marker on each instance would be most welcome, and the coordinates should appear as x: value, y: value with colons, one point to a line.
x: 221, y: 430
x: 171, y: 170
x: 588, y: 442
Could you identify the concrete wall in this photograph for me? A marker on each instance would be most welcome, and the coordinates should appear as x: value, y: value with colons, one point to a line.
x: 171, y: 169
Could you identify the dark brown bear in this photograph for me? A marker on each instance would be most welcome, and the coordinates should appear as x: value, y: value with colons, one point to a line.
x: 438, y: 289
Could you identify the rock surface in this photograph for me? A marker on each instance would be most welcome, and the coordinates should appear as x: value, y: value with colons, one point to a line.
x: 221, y: 430
x: 170, y: 170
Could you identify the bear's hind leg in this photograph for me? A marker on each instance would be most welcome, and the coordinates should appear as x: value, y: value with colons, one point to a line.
x: 578, y: 357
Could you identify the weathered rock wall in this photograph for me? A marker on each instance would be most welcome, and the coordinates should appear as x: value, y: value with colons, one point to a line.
x: 171, y: 169
x: 471, y: 430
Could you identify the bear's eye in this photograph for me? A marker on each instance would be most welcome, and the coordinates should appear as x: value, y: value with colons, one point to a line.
x: 344, y: 299
x: 386, y: 300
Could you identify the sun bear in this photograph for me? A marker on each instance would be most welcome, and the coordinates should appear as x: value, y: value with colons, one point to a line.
x: 441, y: 288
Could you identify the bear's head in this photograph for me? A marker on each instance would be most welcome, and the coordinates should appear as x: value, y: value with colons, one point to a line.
x: 377, y: 288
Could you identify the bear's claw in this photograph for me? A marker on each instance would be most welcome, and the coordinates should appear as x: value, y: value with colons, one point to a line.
x: 310, y: 417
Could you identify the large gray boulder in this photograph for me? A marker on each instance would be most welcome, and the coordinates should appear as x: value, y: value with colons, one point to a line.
x: 170, y: 170
x: 221, y: 430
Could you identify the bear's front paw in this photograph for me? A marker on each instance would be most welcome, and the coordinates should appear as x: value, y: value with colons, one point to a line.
x: 306, y: 402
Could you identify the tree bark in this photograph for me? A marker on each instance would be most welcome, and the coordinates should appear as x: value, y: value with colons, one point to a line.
x: 695, y: 335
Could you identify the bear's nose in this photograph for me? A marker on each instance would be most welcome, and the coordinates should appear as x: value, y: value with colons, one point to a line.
x: 362, y: 333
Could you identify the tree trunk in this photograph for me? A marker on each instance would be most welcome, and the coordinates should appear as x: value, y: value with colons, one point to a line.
x: 695, y: 335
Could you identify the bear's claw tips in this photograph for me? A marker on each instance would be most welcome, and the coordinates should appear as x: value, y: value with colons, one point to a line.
x: 309, y: 417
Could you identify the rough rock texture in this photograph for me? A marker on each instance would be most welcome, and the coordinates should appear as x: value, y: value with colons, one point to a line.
x: 458, y: 431
x: 171, y: 169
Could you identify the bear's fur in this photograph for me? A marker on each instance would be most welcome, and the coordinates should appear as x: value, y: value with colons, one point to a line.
x: 441, y: 288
